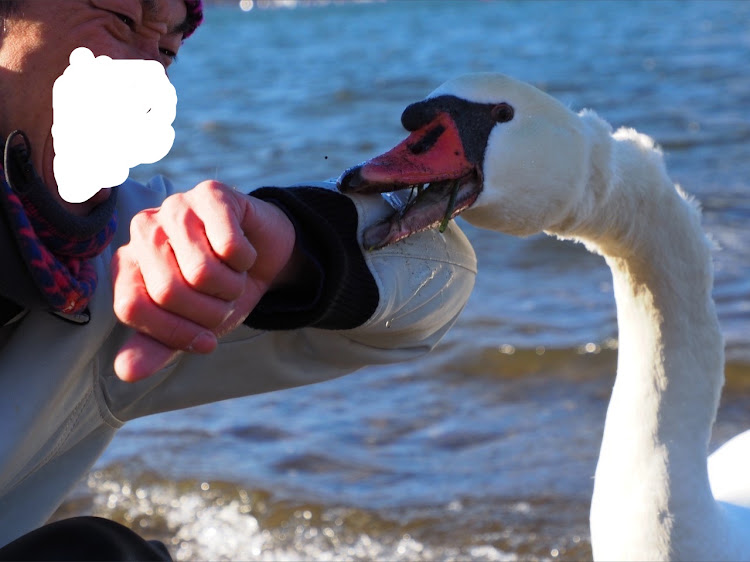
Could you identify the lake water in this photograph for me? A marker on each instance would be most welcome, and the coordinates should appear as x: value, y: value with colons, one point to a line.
x: 486, y: 448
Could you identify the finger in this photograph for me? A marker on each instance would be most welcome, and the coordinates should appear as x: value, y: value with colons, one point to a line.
x: 200, y: 267
x: 163, y: 280
x: 222, y: 222
x: 141, y: 357
x: 254, y: 291
x: 134, y: 308
x: 268, y: 227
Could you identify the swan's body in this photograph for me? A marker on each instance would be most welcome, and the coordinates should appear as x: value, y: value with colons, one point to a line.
x: 549, y: 169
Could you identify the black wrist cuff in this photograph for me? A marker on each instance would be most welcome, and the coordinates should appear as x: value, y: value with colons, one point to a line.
x: 339, y: 292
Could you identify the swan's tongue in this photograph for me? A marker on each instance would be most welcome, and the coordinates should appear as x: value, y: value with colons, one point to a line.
x: 433, y: 154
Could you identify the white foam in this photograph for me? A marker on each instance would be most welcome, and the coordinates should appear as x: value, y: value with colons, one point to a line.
x: 201, y: 521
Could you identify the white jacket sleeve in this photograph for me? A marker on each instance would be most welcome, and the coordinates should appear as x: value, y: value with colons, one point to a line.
x: 423, y: 284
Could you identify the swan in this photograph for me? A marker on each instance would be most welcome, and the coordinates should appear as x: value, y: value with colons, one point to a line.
x: 512, y: 159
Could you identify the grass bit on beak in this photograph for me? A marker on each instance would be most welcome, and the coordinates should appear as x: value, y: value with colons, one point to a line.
x: 449, y: 209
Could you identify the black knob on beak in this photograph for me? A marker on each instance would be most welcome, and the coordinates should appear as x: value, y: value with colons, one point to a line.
x: 418, y: 114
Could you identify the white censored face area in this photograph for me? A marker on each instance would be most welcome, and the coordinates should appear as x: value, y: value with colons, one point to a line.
x: 109, y: 116
x: 35, y: 51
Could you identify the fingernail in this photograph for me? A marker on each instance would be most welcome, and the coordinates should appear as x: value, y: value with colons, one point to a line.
x: 228, y: 314
x: 205, y: 342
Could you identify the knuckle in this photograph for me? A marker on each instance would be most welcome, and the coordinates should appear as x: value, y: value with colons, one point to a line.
x: 210, y: 186
x: 178, y: 214
x: 146, y: 230
x: 119, y: 258
x: 201, y: 275
x: 166, y: 293
x: 137, y: 226
x: 174, y: 208
x: 213, y: 279
x: 206, y: 191
x: 141, y: 223
x: 228, y: 247
x: 216, y: 193
x: 127, y: 308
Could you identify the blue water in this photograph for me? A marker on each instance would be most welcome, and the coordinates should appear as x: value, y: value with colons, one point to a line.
x: 484, y: 449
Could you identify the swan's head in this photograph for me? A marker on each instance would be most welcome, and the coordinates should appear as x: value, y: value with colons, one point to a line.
x: 507, y: 155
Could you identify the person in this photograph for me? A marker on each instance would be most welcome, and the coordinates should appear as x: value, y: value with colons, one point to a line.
x: 211, y: 294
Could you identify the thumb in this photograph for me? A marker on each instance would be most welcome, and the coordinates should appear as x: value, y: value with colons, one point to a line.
x: 141, y: 357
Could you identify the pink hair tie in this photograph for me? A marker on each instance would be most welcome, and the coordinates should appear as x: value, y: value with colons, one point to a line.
x: 194, y: 16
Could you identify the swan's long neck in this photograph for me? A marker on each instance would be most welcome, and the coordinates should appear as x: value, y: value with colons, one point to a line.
x: 651, y: 489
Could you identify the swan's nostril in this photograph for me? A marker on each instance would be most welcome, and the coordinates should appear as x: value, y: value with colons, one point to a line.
x: 427, y: 140
x: 351, y: 180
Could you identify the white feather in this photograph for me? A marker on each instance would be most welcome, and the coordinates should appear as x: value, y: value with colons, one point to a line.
x: 552, y: 170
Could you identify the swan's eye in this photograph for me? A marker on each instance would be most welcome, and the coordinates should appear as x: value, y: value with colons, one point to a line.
x: 502, y: 112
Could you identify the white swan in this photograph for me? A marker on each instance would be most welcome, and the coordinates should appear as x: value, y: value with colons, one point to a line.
x: 515, y: 160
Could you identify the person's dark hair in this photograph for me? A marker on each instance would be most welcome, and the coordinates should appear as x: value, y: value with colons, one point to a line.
x: 8, y: 8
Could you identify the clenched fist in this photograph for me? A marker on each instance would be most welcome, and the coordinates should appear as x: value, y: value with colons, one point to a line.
x: 193, y: 270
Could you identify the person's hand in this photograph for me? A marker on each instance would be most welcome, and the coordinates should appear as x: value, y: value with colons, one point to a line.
x: 193, y: 270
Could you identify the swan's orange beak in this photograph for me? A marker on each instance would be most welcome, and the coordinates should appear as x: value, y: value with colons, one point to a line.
x: 432, y: 154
